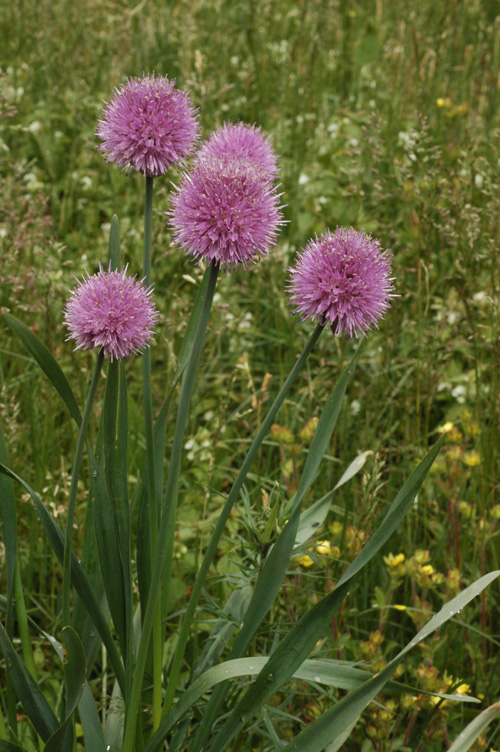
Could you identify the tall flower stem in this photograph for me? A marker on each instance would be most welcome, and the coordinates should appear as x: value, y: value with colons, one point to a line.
x: 167, y: 516
x: 153, y: 499
x: 224, y: 516
x: 82, y: 435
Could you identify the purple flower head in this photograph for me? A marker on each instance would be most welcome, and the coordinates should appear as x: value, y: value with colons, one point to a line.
x: 226, y: 211
x: 111, y: 312
x: 148, y: 126
x: 342, y: 279
x: 243, y: 141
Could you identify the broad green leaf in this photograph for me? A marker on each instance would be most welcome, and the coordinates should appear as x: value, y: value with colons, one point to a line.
x: 6, y: 746
x: 334, y: 722
x: 91, y: 723
x: 469, y: 735
x: 299, y: 642
x: 47, y: 363
x: 27, y: 689
x: 78, y: 576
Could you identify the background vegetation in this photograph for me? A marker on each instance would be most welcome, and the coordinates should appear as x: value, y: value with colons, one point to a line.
x: 385, y: 115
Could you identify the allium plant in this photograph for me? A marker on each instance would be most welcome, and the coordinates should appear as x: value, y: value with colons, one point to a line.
x: 225, y: 213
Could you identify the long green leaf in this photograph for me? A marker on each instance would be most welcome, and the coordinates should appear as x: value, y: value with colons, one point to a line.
x: 79, y: 578
x: 47, y: 363
x: 339, y: 674
x: 298, y: 643
x: 74, y: 668
x: 6, y: 746
x: 314, y: 516
x: 91, y: 723
x: 275, y: 567
x: 109, y: 510
x: 9, y: 521
x: 334, y: 722
x: 478, y: 726
x: 27, y: 689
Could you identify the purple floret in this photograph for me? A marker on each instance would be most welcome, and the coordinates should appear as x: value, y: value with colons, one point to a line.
x: 112, y: 312
x: 226, y: 211
x: 148, y: 126
x: 342, y: 279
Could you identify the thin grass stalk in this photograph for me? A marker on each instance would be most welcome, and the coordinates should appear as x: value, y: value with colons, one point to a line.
x: 166, y: 518
x: 224, y: 516
x: 74, y: 487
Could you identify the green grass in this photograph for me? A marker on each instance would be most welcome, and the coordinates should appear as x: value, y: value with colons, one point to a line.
x: 386, y: 118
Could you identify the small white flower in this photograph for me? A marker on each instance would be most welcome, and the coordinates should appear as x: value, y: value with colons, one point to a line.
x: 303, y: 179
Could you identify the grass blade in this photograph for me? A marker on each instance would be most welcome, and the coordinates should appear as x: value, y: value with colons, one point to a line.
x: 47, y: 363
x: 298, y: 643
x: 468, y: 736
x: 27, y: 689
x: 78, y: 576
x: 345, y: 713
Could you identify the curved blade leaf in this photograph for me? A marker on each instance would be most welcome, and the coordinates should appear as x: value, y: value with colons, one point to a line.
x: 47, y: 363
x: 345, y: 713
x: 78, y: 576
x: 27, y: 689
x: 466, y: 739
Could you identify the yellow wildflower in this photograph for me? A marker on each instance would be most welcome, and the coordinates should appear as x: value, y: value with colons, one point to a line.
x: 394, y: 561
x: 472, y: 458
x: 324, y: 548
x: 446, y: 428
x: 305, y: 561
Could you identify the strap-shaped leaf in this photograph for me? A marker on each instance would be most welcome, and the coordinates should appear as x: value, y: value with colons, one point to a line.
x: 27, y: 689
x: 74, y: 668
x: 339, y: 674
x: 91, y: 723
x: 334, y: 722
x: 298, y: 643
x: 276, y: 564
x: 47, y: 363
x: 477, y: 727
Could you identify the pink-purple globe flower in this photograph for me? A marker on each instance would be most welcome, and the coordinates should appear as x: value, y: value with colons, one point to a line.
x: 226, y: 211
x: 148, y: 126
x: 111, y: 312
x: 243, y: 141
x: 342, y: 279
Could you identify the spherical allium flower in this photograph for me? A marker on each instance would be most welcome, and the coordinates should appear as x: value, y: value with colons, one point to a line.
x: 111, y: 312
x: 226, y: 211
x: 148, y: 126
x: 243, y: 141
x: 342, y: 279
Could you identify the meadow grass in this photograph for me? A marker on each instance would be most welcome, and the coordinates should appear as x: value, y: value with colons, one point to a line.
x: 385, y: 116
